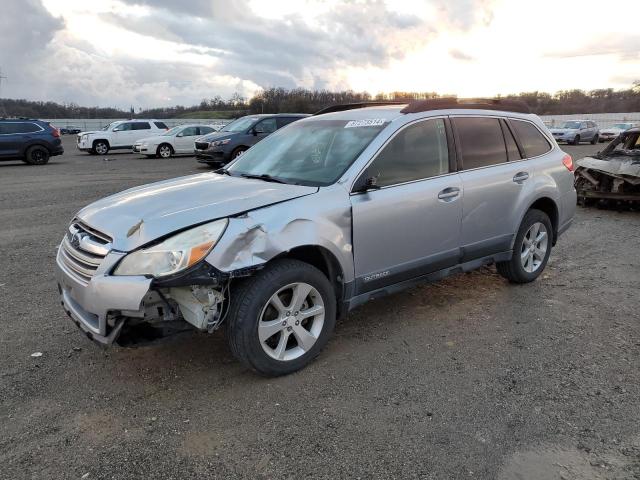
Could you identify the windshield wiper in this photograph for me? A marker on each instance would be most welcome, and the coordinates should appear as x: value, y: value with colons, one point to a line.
x: 263, y: 176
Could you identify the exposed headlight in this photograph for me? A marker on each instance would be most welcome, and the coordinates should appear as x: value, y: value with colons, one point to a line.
x: 174, y: 254
x: 219, y: 143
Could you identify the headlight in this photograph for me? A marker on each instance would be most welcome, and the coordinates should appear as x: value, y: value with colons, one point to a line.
x: 84, y: 137
x: 219, y: 143
x: 174, y: 254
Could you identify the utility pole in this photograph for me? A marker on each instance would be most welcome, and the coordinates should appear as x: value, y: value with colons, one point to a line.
x: 3, y: 112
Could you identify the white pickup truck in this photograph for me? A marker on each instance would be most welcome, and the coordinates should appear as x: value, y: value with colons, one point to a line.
x: 122, y: 134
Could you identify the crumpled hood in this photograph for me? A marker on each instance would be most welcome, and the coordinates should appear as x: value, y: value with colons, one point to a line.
x: 142, y: 214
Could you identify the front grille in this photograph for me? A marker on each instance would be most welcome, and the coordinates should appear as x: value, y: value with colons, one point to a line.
x: 202, y: 145
x: 83, y: 249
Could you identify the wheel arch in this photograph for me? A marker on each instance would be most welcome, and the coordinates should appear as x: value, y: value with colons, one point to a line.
x: 550, y: 207
x: 35, y: 143
x: 325, y: 261
x: 173, y: 150
x: 95, y: 140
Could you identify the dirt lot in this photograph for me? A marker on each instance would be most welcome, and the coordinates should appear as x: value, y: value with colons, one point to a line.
x: 468, y: 378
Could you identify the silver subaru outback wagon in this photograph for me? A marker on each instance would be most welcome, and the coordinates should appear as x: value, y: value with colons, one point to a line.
x: 327, y: 213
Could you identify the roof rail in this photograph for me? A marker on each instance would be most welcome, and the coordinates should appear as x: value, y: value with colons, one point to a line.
x: 352, y: 106
x: 466, y: 103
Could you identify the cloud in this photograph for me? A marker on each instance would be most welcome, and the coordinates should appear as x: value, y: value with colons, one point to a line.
x: 627, y: 47
x: 460, y: 55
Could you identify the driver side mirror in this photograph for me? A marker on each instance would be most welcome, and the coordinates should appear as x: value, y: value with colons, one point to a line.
x: 366, y: 184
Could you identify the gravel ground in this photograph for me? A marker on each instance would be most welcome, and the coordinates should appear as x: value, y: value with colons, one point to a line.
x: 467, y: 378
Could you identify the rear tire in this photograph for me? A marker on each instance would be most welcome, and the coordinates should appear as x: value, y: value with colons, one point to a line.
x: 576, y: 140
x: 36, y: 155
x: 595, y: 139
x: 531, y: 249
x: 280, y: 320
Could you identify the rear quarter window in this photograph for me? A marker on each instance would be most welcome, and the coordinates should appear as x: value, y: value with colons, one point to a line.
x: 532, y: 140
x: 160, y: 125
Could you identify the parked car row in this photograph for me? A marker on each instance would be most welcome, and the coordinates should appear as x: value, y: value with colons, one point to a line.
x: 576, y: 131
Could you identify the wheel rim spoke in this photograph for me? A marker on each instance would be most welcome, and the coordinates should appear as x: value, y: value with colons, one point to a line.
x: 281, y: 349
x: 268, y: 329
x: 534, y: 247
x: 304, y: 337
x: 276, y: 303
x: 311, y: 312
x: 300, y: 293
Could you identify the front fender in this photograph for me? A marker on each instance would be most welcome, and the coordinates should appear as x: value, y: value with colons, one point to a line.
x: 322, y: 219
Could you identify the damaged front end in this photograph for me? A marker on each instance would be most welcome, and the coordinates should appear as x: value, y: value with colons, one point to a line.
x: 611, y: 177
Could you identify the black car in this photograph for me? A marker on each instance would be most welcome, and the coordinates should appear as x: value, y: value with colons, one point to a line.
x: 219, y: 148
x: 70, y: 130
x: 32, y: 141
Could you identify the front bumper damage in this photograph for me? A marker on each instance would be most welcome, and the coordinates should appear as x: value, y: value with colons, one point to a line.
x: 133, y: 309
x: 609, y: 179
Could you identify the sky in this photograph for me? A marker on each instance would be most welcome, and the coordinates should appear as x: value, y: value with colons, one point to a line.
x: 149, y: 53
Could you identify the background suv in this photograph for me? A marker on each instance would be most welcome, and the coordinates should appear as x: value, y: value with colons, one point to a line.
x: 119, y: 135
x: 576, y: 131
x: 320, y: 217
x: 31, y: 141
x: 238, y: 136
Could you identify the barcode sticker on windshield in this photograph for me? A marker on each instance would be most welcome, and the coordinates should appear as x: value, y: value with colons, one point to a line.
x: 370, y: 122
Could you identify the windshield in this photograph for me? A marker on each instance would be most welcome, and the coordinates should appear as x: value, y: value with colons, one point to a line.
x: 240, y: 125
x: 315, y: 152
x: 622, y: 126
x: 108, y: 126
x: 172, y: 132
x: 575, y: 125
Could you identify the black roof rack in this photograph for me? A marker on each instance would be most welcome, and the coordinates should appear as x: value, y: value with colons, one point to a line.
x: 464, y: 103
x: 352, y: 106
x: 416, y: 106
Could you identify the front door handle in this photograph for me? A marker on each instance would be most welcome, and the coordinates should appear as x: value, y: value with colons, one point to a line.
x: 449, y: 194
x: 520, y: 177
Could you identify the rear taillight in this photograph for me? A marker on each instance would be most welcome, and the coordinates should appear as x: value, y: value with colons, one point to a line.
x: 56, y: 132
x: 567, y: 161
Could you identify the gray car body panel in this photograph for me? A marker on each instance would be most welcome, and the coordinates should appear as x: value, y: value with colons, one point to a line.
x: 378, y: 238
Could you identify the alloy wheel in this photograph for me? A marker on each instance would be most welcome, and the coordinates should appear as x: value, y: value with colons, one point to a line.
x: 165, y: 151
x: 291, y: 321
x: 534, y: 247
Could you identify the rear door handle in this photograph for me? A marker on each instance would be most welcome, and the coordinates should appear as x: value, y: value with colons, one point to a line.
x: 520, y: 177
x: 449, y: 194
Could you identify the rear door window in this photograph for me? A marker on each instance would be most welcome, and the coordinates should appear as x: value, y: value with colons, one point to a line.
x: 481, y: 142
x: 417, y: 152
x: 19, y: 127
x: 141, y: 126
x: 532, y: 140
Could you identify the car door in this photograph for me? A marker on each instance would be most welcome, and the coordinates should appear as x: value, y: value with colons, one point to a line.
x: 585, y: 131
x: 408, y: 225
x: 262, y: 129
x: 184, y: 140
x: 495, y: 180
x: 121, y: 135
x: 9, y: 139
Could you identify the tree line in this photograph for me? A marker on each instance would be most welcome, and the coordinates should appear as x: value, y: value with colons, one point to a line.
x: 300, y: 100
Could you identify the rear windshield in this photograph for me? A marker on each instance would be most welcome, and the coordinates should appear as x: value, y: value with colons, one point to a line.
x: 313, y: 152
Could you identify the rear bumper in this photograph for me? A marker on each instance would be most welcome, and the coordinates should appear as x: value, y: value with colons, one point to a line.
x: 95, y: 306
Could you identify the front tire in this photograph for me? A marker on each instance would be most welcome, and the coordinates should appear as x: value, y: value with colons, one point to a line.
x: 576, y: 140
x: 280, y: 320
x: 237, y: 152
x: 595, y: 139
x: 531, y: 249
x: 100, y: 147
x: 164, y: 151
x: 36, y: 155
